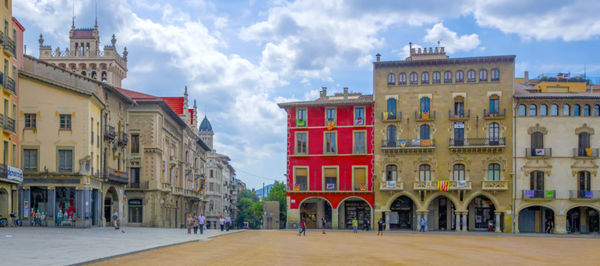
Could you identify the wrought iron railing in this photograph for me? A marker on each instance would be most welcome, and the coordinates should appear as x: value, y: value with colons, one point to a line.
x: 585, y: 152
x: 470, y: 142
x: 495, y: 113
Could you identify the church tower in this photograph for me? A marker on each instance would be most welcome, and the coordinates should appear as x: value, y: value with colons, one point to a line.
x: 206, y: 133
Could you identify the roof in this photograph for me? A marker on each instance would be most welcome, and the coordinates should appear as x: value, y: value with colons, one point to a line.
x: 138, y: 96
x: 83, y: 34
x: 142, y: 98
x: 203, y: 145
x: 352, y: 99
x: 524, y: 91
x: 18, y: 24
x: 205, y: 125
x: 451, y: 61
x: 176, y: 103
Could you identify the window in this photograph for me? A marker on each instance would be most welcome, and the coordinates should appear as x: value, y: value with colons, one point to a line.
x: 543, y: 110
x: 330, y: 141
x: 459, y: 106
x: 577, y: 110
x: 300, y: 117
x: 30, y: 160
x: 65, y: 122
x: 566, y: 110
x: 494, y: 172
x: 460, y: 76
x: 458, y: 172
x: 391, y: 136
x: 495, y: 75
x: 359, y: 142
x: 330, y: 116
x: 414, y: 78
x: 494, y: 104
x: 30, y: 121
x: 471, y: 76
x: 135, y: 143
x: 583, y: 145
x: 330, y: 176
x: 596, y: 110
x: 359, y: 116
x: 483, y: 75
x: 522, y: 111
x: 459, y: 133
x: 360, y: 179
x: 424, y: 131
x: 391, y: 173
x: 532, y: 110
x: 391, y: 108
x: 301, y: 179
x: 301, y: 143
x: 536, y: 181
x: 424, y: 105
x: 447, y: 77
x: 537, y: 142
x: 494, y: 133
x: 402, y: 79
x: 425, y: 78
x: 92, y: 132
x: 437, y: 77
x: 554, y: 110
x: 424, y: 172
x: 391, y: 79
x: 583, y: 183
x: 65, y: 160
x: 134, y: 177
x: 586, y: 110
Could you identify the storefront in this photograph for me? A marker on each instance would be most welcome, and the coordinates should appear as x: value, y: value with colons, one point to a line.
x: 313, y: 210
x: 65, y: 206
x: 402, y: 214
x: 482, y: 210
x: 359, y: 209
x: 136, y: 211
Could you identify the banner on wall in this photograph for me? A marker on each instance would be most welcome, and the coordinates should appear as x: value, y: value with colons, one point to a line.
x: 14, y: 173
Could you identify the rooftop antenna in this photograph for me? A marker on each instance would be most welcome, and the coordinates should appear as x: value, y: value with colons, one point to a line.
x: 73, y: 25
x: 96, y: 22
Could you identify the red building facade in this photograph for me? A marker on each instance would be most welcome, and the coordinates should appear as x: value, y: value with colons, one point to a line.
x: 330, y: 160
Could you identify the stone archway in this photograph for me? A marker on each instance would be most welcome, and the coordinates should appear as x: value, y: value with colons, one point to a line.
x: 403, y: 213
x: 583, y: 219
x: 4, y: 203
x: 483, y: 215
x: 351, y: 207
x: 440, y: 214
x: 312, y: 209
x: 536, y: 219
x: 111, y: 203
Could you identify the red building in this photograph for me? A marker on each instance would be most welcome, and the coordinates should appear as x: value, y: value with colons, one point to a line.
x: 330, y: 160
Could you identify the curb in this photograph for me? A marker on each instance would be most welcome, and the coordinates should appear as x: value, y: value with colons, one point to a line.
x: 152, y: 248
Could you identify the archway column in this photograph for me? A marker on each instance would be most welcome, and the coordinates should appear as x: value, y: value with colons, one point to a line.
x: 334, y: 219
x: 387, y: 220
x: 424, y: 215
x: 457, y: 215
x: 464, y: 221
x: 497, y: 221
x: 560, y: 223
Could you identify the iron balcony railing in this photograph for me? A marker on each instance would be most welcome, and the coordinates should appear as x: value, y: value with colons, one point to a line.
x: 460, y: 115
x: 9, y: 44
x: 585, y: 152
x: 583, y: 194
x: 109, y: 133
x: 407, y: 143
x: 140, y: 185
x: 10, y: 85
x: 391, y: 116
x: 539, y: 194
x: 116, y: 176
x: 425, y: 116
x: 494, y: 114
x: 543, y: 152
x: 9, y: 124
x: 470, y: 142
x: 3, y: 170
x: 123, y: 139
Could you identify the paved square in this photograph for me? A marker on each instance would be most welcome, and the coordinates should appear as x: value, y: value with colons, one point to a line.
x: 346, y: 248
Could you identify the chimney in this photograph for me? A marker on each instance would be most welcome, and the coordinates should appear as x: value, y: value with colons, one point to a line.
x: 526, y: 76
x: 378, y: 57
x: 323, y: 92
x: 345, y: 93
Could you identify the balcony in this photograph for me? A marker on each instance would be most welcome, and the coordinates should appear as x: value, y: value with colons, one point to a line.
x: 9, y: 45
x: 408, y: 145
x: 123, y: 139
x: 424, y: 117
x: 494, y: 115
x: 10, y: 85
x: 585, y: 152
x: 538, y: 194
x: 453, y: 185
x: 172, y: 160
x: 142, y: 185
x: 477, y: 145
x: 165, y: 186
x: 394, y: 117
x: 391, y: 186
x: 9, y: 124
x: 116, y: 176
x: 538, y: 153
x: 584, y: 194
x: 178, y: 190
x: 459, y: 116
x: 498, y: 185
x: 109, y: 133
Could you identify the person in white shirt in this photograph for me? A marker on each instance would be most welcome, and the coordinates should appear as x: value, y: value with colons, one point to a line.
x: 228, y: 222
x: 201, y: 220
x: 222, y: 223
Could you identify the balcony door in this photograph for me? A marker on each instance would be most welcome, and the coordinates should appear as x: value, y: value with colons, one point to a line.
x: 391, y: 136
x: 459, y: 133
x: 584, y: 143
x: 537, y: 183
x: 583, y: 183
x: 537, y: 142
x: 494, y: 133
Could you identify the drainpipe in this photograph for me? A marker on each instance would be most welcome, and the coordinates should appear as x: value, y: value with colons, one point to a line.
x: 514, y: 182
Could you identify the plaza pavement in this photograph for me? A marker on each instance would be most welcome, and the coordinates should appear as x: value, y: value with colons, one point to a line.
x: 64, y: 246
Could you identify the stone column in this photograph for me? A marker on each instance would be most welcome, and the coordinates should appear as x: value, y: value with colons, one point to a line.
x: 418, y: 223
x: 26, y: 196
x: 334, y: 218
x: 425, y: 216
x: 387, y: 220
x: 51, y: 206
x: 457, y: 218
x: 583, y: 220
x: 497, y: 225
x: 560, y: 223
x: 464, y: 221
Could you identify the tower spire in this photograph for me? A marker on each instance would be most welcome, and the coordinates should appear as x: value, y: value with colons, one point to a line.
x: 96, y: 14
x: 73, y: 24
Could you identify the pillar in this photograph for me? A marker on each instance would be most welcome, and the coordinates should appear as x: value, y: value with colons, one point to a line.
x: 583, y: 220
x: 457, y: 222
x: 560, y: 223
x: 464, y: 221
x: 334, y: 218
x: 26, y: 207
x: 387, y: 221
x: 418, y: 223
x: 51, y: 206
x: 425, y: 214
x: 497, y: 225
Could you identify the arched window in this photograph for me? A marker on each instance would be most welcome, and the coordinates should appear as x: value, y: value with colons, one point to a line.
x: 104, y: 76
x: 494, y: 133
x: 424, y: 131
x: 425, y: 78
x: 586, y: 110
x: 447, y: 77
x: 402, y: 79
x: 424, y: 172
x: 566, y: 110
x: 93, y: 75
x: 522, y: 110
x: 391, y: 136
x: 391, y: 173
x: 576, y: 110
x: 495, y: 75
x: 437, y: 77
x: 471, y: 76
x: 494, y: 172
x: 583, y: 184
x: 391, y: 79
x: 543, y: 110
x: 460, y: 76
x: 391, y: 108
x: 596, y: 110
x: 583, y: 146
x: 483, y: 75
x: 458, y: 172
x: 414, y: 78
x: 532, y: 110
x: 554, y: 110
x: 424, y: 105
x: 536, y: 183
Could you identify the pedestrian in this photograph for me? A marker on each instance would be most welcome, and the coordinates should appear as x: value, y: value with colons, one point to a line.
x: 422, y: 225
x: 222, y: 223
x: 228, y: 222
x: 367, y: 224
x: 59, y: 217
x: 302, y: 228
x: 115, y: 218
x: 355, y: 225
x: 323, y: 224
x: 201, y: 221
x: 380, y: 226
x: 188, y: 223
x: 195, y: 224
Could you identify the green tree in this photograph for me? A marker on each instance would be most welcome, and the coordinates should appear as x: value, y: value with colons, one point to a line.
x: 249, y: 194
x: 249, y: 209
x: 277, y: 193
x: 257, y: 214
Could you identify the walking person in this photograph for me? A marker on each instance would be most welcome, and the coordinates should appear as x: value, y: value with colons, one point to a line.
x: 422, y: 225
x: 380, y: 226
x: 303, y: 228
x: 201, y: 221
x: 188, y: 223
x: 355, y: 225
x: 222, y: 223
x: 115, y: 218
x: 228, y: 222
x: 195, y: 224
x: 323, y: 224
x: 367, y: 224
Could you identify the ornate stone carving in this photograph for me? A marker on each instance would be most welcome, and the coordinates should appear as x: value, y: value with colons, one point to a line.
x: 584, y: 128
x: 537, y: 128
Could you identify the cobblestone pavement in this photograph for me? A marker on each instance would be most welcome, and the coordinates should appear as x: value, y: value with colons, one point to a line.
x: 346, y: 248
x: 63, y: 246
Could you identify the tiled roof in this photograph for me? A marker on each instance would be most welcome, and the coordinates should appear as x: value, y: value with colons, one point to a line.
x: 176, y: 103
x: 332, y: 100
x: 138, y: 96
x: 83, y: 34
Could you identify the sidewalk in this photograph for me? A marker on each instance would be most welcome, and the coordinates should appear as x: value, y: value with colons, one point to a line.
x: 470, y: 233
x: 63, y: 246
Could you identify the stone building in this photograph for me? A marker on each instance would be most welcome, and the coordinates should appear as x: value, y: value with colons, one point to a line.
x: 443, y: 141
x: 556, y: 156
x: 271, y: 215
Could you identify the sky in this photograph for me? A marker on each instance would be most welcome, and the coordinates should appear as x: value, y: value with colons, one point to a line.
x: 240, y: 58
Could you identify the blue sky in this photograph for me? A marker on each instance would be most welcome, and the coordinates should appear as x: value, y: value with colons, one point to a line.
x: 239, y: 58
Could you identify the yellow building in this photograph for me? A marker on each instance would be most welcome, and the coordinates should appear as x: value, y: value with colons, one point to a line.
x: 443, y: 141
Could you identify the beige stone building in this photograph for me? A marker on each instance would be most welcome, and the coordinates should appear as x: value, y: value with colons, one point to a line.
x: 556, y: 157
x: 443, y: 141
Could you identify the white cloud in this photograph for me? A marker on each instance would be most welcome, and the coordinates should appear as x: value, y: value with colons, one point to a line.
x: 450, y: 39
x: 52, y: 16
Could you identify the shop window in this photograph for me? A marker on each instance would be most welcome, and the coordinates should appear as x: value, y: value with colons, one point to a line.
x: 494, y: 104
x: 532, y: 110
x: 65, y: 160
x: 360, y: 179
x: 402, y: 79
x: 543, y: 110
x: 391, y: 173
x: 391, y: 79
x: 586, y: 110
x: 391, y: 108
x: 136, y: 211
x: 483, y: 75
x: 65, y: 202
x: 554, y: 110
x: 359, y: 142
x: 425, y: 78
x: 424, y: 172
x: 494, y: 172
x: 30, y: 160
x: 135, y: 143
x: 65, y: 122
x: 330, y: 142
x: 424, y: 132
x: 522, y: 110
x: 330, y: 178
x: 437, y: 77
x: 359, y: 116
x: 414, y: 78
x: 301, y: 179
x: 460, y: 76
x: 471, y: 76
x: 566, y: 110
x: 30, y: 121
x: 577, y: 110
x: 301, y: 143
x: 495, y: 75
x: 301, y: 117
x: 458, y: 172
x: 448, y: 77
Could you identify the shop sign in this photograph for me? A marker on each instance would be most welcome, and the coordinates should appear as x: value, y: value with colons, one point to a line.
x: 459, y: 124
x: 135, y: 202
x: 14, y: 173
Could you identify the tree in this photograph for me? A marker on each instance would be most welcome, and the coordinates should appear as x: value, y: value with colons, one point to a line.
x: 249, y: 194
x: 249, y: 209
x: 277, y: 193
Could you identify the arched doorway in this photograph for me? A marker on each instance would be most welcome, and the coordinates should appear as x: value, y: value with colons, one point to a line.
x: 536, y: 219
x: 441, y: 214
x: 4, y: 208
x: 481, y: 214
x: 313, y: 209
x: 111, y: 203
x: 583, y: 220
x: 354, y: 207
x: 402, y: 214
